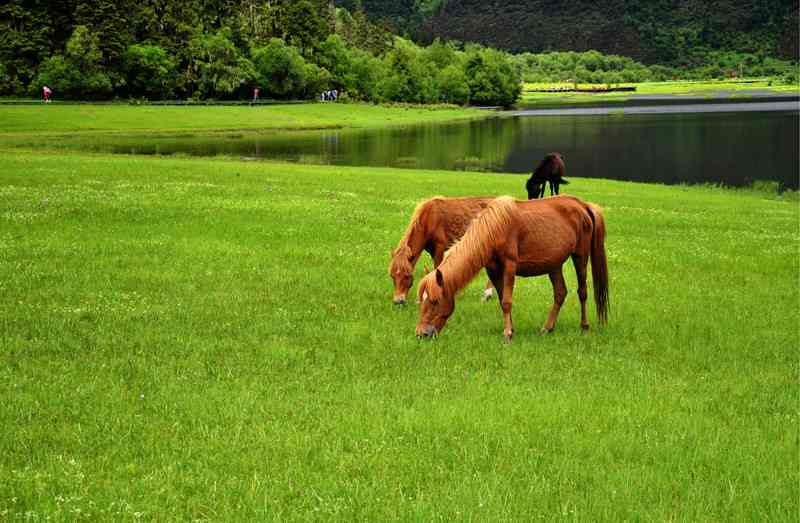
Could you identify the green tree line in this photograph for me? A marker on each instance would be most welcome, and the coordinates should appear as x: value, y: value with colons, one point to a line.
x: 199, y: 49
x: 595, y: 67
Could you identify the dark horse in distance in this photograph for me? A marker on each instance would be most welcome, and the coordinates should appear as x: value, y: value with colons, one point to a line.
x: 550, y: 170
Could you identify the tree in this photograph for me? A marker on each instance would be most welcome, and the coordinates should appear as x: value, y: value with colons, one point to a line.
x: 367, y: 72
x: 305, y: 27
x: 453, y: 85
x: 335, y: 56
x: 220, y: 67
x: 150, y: 71
x: 79, y: 72
x: 29, y: 33
x: 280, y: 69
x: 491, y: 77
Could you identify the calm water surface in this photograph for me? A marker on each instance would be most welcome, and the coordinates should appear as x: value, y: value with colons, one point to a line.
x: 733, y: 148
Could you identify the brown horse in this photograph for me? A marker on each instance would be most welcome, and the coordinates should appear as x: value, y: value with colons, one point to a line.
x: 435, y: 225
x: 521, y: 238
x: 550, y: 170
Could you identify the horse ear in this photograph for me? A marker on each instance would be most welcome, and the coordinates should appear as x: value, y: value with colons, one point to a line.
x: 439, y: 278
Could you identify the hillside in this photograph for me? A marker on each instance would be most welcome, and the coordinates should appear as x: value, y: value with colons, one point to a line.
x: 674, y: 32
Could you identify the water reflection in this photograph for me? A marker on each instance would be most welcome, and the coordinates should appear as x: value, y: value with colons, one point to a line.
x: 730, y: 148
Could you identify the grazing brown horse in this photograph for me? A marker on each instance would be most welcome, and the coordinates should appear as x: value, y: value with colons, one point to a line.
x: 521, y: 238
x: 435, y: 225
x: 550, y: 170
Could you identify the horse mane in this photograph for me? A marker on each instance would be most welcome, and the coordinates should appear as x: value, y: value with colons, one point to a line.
x: 416, y: 220
x: 415, y: 225
x: 474, y: 250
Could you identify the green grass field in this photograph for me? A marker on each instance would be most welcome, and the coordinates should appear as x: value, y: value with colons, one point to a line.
x: 213, y: 340
x: 707, y: 89
x: 89, y: 118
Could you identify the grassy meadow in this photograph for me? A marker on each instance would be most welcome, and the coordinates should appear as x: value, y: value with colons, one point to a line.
x: 212, y: 339
x: 707, y: 89
x: 55, y: 118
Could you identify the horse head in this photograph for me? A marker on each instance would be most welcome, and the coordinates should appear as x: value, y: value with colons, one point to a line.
x: 534, y: 188
x: 436, y: 305
x: 402, y: 273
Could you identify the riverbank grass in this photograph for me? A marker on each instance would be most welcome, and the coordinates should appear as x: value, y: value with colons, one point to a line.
x: 213, y: 339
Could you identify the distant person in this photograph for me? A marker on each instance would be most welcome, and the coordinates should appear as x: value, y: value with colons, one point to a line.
x: 256, y: 91
x: 335, y: 95
x: 46, y: 92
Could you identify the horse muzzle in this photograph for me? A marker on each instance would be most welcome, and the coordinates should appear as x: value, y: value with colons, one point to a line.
x: 399, y: 300
x: 426, y: 332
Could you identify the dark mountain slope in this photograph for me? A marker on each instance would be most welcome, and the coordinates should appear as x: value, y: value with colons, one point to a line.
x: 673, y: 32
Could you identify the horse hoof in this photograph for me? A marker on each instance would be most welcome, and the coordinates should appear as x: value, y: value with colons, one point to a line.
x: 544, y: 332
x: 585, y: 328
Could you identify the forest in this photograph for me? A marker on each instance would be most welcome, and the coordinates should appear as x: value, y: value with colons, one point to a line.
x: 421, y: 51
x: 665, y: 32
x: 200, y: 50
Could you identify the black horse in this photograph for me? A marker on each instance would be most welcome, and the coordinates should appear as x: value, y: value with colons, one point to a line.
x: 551, y: 169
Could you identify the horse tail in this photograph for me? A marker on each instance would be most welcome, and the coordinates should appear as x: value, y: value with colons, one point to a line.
x: 597, y: 256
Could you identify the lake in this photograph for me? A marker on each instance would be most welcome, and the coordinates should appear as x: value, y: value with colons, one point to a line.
x: 730, y: 144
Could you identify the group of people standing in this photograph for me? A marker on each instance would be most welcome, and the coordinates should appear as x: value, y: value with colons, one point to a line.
x: 324, y: 96
x: 329, y: 96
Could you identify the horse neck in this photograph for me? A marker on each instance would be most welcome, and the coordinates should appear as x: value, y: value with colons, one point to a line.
x: 460, y: 269
x: 474, y: 250
x: 416, y: 235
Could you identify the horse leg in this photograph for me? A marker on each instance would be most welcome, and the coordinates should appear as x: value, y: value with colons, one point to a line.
x: 509, y: 274
x: 559, y: 294
x: 580, y: 263
x: 504, y: 285
x: 487, y: 291
x: 495, y: 279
